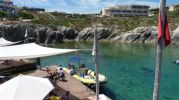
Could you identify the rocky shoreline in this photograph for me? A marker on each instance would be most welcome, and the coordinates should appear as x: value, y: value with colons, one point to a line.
x: 59, y: 34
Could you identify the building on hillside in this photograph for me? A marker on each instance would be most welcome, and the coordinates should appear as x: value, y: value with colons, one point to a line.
x: 7, y: 6
x: 174, y: 8
x: 126, y: 11
x: 27, y: 9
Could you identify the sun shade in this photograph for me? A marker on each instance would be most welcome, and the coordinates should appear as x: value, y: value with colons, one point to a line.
x: 4, y: 42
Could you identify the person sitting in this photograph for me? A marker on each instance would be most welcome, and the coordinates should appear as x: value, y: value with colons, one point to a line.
x: 69, y: 66
x: 82, y: 66
x: 60, y: 73
x: 50, y: 74
x: 65, y: 96
x: 73, y: 71
x: 86, y: 72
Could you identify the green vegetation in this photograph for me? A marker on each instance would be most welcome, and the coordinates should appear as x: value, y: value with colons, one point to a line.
x: 11, y: 16
x: 26, y: 15
x: 7, y: 15
x: 124, y: 23
x: 74, y: 23
x: 3, y: 14
x: 154, y: 11
x: 80, y: 21
x: 173, y: 14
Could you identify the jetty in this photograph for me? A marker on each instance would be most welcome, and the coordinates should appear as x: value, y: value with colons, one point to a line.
x: 77, y: 90
x: 11, y: 66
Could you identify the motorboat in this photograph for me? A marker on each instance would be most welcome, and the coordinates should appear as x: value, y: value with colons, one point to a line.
x: 85, y: 75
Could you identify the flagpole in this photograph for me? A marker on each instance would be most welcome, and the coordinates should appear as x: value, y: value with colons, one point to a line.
x: 160, y: 47
x: 158, y: 69
x: 96, y: 63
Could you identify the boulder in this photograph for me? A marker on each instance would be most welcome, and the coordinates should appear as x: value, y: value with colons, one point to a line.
x: 41, y: 33
x: 54, y: 37
x: 14, y: 32
x: 88, y: 33
x: 69, y: 33
x: 140, y: 34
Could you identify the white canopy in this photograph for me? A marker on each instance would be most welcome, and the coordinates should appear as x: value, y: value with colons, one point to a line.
x: 4, y: 42
x: 25, y: 87
x: 103, y: 97
x: 30, y: 50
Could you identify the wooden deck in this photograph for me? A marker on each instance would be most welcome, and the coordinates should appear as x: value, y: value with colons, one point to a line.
x: 16, y: 66
x: 77, y: 90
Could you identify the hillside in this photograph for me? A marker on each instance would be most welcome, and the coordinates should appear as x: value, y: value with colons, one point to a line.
x: 80, y: 22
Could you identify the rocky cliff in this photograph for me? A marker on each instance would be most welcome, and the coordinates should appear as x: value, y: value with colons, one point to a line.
x: 42, y: 34
x: 58, y: 34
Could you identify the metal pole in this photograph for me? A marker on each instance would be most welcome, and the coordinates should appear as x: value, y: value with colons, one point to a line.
x: 158, y: 69
x: 160, y: 47
x: 26, y: 32
x: 96, y: 63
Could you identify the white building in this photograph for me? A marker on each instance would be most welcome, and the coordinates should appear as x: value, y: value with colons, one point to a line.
x: 174, y: 8
x: 7, y: 5
x: 126, y: 10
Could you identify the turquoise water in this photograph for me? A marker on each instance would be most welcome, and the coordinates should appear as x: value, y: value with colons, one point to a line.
x: 129, y: 69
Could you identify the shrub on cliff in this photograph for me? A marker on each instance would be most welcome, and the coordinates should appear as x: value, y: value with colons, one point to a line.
x: 26, y: 15
x: 3, y: 14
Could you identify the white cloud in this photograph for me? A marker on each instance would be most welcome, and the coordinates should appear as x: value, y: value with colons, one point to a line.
x: 43, y: 0
x: 89, y: 2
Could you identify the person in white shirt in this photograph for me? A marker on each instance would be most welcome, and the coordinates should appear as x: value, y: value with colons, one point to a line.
x: 60, y: 73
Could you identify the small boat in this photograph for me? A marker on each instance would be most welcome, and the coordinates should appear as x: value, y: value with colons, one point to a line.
x: 88, y: 78
x: 176, y: 62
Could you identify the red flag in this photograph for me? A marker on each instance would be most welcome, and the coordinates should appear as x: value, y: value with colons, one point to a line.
x: 166, y: 33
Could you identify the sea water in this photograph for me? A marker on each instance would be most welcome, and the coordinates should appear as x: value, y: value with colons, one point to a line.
x: 130, y: 69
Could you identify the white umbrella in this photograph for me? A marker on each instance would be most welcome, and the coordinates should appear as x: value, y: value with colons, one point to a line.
x: 103, y: 97
x: 25, y: 87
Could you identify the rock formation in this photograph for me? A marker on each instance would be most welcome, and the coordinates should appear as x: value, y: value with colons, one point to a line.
x: 58, y: 34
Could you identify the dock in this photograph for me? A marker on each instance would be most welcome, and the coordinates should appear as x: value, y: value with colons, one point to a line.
x: 12, y: 66
x: 77, y: 90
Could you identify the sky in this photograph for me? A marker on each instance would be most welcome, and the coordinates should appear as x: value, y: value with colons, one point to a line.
x: 85, y: 6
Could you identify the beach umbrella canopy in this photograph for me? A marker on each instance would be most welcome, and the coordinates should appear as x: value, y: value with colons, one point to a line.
x: 25, y: 87
x: 103, y: 97
x: 30, y: 50
x: 4, y: 42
